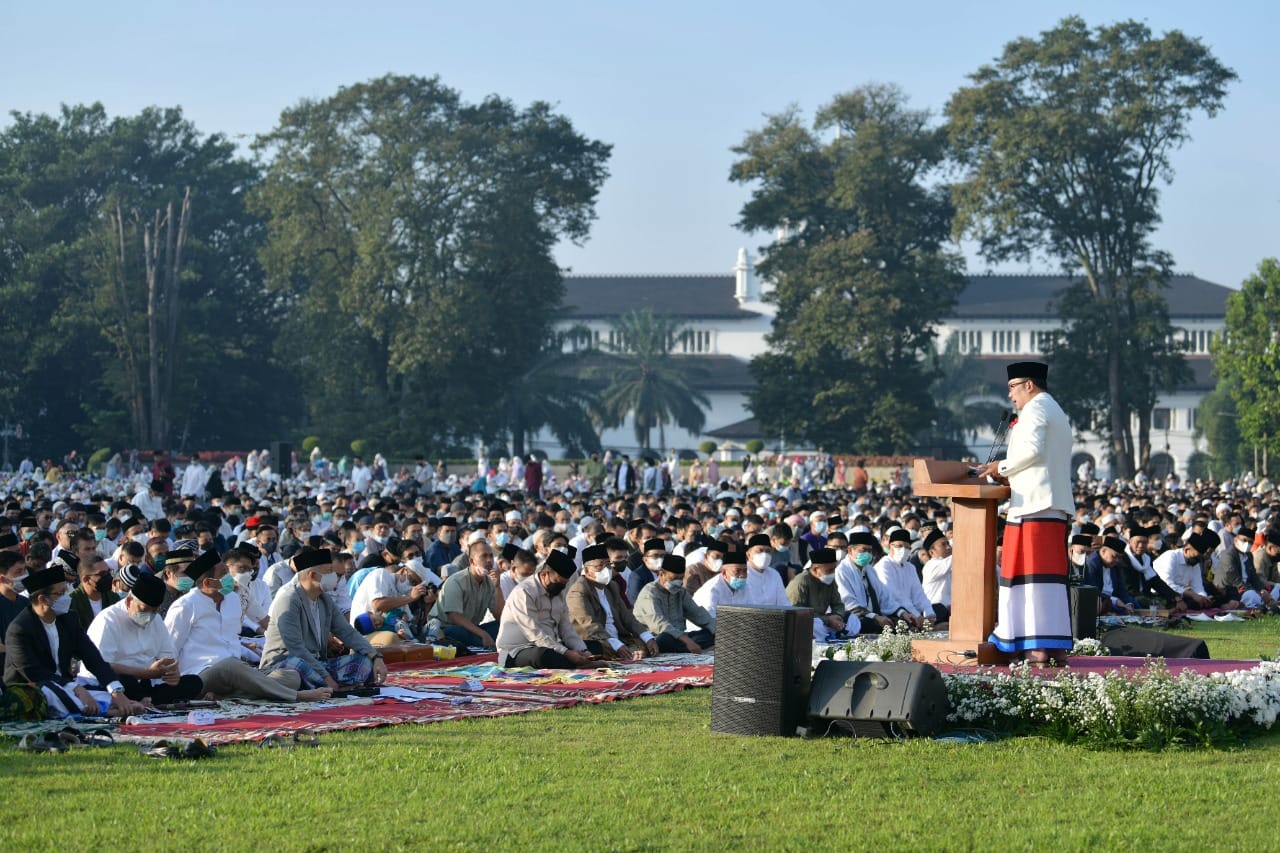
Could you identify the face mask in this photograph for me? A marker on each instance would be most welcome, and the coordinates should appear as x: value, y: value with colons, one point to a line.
x: 185, y: 584
x: 142, y: 620
x: 669, y: 544
x: 736, y: 584
x: 1242, y: 547
x: 715, y: 565
x: 827, y: 579
x: 820, y: 527
x: 554, y: 589
x: 102, y: 583
x: 378, y: 540
x: 841, y: 553
x: 759, y: 560
x: 675, y: 585
x: 604, y: 576
x: 62, y: 604
x: 654, y: 564
x: 446, y: 536
x: 329, y: 582
x: 269, y: 548
x: 1155, y: 543
x: 1078, y: 559
x: 18, y: 583
x: 326, y: 516
x: 227, y: 585
x: 560, y: 528
x: 502, y: 539
x: 863, y: 559
x: 100, y: 534
x: 562, y: 549
x: 357, y: 548
x: 158, y: 562
x: 897, y: 554
x: 242, y: 578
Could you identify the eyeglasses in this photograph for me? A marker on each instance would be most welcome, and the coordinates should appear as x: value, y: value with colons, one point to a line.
x: 1015, y: 383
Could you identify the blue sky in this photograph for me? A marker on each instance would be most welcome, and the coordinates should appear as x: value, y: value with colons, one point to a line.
x: 671, y: 85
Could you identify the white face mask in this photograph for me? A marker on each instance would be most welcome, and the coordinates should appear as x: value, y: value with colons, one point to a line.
x: 1243, y: 547
x: 669, y: 544
x: 62, y: 605
x: 329, y: 582
x: 142, y: 620
x: 604, y: 576
x: 1078, y: 559
x: 898, y: 554
x: 714, y: 565
x: 654, y: 564
x: 759, y: 560
x: 827, y: 579
x: 841, y: 553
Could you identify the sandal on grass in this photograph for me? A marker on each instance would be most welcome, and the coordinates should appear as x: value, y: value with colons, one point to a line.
x: 44, y: 742
x: 274, y: 742
x: 306, y: 737
x: 161, y: 749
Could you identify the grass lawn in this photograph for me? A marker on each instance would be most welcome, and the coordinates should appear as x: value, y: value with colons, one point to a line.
x: 642, y: 774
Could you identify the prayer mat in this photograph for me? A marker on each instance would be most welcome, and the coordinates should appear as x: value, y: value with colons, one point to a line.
x: 443, y: 690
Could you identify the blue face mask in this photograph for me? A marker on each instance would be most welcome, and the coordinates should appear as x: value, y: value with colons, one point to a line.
x: 736, y: 584
x: 502, y: 539
x: 185, y: 584
x: 358, y: 548
x: 863, y: 559
x: 228, y: 584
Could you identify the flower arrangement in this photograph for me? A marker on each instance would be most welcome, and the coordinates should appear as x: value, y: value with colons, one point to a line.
x: 894, y: 643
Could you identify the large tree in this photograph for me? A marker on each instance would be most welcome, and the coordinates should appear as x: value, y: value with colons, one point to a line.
x: 130, y: 283
x: 1247, y: 356
x: 1065, y: 141
x: 647, y: 382
x: 411, y: 238
x: 861, y: 269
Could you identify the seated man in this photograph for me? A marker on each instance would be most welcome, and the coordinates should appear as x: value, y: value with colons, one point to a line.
x: 135, y: 643
x: 764, y: 583
x: 1179, y: 568
x: 1235, y: 571
x: 666, y: 609
x: 898, y: 586
x: 1079, y: 548
x: 40, y: 643
x: 1141, y: 579
x: 857, y: 592
x: 467, y: 596
x: 387, y: 596
x: 727, y: 587
x: 1104, y: 572
x: 204, y: 625
x: 171, y: 567
x: 443, y: 551
x: 94, y: 594
x: 699, y: 573
x: 815, y: 588
x: 599, y: 615
x: 651, y: 561
x: 304, y: 619
x: 520, y: 564
x: 255, y: 598
x: 936, y: 574
x: 536, y: 629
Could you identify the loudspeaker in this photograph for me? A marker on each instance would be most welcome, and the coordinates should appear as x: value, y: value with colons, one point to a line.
x: 763, y: 659
x: 878, y: 699
x: 1139, y: 642
x: 1084, y: 611
x: 282, y: 459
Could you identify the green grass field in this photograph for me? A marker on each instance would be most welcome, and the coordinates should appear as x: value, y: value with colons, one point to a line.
x: 646, y: 773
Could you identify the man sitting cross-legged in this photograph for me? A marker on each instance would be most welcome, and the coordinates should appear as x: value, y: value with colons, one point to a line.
x: 666, y: 609
x: 599, y: 614
x: 536, y: 629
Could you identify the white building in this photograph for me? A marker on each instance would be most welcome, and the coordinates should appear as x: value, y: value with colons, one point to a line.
x: 998, y: 318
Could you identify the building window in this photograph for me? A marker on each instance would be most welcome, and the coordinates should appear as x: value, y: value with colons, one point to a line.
x: 970, y: 341
x: 1191, y: 420
x: 695, y: 341
x: 1006, y: 340
x: 1160, y: 419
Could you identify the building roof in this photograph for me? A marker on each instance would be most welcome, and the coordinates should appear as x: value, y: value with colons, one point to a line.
x: 720, y: 372
x: 691, y: 296
x: 743, y: 430
x: 1031, y: 295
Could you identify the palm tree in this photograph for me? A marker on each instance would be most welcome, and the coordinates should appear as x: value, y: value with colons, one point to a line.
x: 647, y: 382
x: 550, y: 392
x: 964, y: 400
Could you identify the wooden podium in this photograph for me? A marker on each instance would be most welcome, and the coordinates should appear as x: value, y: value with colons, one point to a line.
x: 973, y: 575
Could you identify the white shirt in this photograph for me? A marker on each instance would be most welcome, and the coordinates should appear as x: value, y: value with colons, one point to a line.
x: 937, y: 580
x: 379, y: 583
x: 715, y: 592
x: 1172, y: 568
x: 898, y: 588
x: 151, y: 506
x: 764, y: 588
x: 852, y: 583
x: 255, y: 600
x: 276, y: 576
x: 123, y: 641
x: 202, y: 633
x: 1142, y: 564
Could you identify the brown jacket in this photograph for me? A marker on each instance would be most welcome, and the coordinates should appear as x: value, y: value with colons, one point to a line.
x: 587, y: 614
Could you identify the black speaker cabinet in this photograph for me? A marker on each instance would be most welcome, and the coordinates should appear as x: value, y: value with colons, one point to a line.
x: 1084, y: 612
x: 1139, y: 642
x: 282, y: 459
x: 763, y: 659
x: 874, y: 699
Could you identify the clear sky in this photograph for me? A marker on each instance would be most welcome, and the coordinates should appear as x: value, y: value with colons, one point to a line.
x: 672, y: 85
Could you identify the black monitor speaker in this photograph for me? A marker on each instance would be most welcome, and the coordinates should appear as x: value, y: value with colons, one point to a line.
x: 877, y: 699
x: 1084, y: 612
x: 1140, y: 642
x: 763, y: 660
x: 282, y: 459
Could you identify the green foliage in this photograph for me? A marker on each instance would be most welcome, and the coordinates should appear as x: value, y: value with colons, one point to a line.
x: 646, y: 382
x: 310, y: 443
x: 97, y: 460
x: 360, y: 447
x: 1064, y: 141
x: 413, y: 233
x: 708, y: 447
x: 1219, y: 423
x: 862, y: 274
x: 754, y: 446
x: 965, y: 404
x: 1248, y: 355
x: 552, y: 391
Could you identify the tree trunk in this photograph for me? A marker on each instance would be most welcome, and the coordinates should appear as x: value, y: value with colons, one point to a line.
x: 1144, y: 440
x: 175, y: 243
x: 150, y: 249
x: 1121, y: 456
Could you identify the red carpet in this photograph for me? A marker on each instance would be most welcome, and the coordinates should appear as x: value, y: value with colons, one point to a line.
x: 498, y: 698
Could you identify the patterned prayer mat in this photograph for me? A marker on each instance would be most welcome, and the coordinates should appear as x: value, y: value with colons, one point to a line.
x: 432, y: 691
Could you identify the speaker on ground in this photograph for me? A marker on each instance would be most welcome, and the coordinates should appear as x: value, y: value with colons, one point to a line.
x: 1139, y: 642
x: 877, y: 699
x: 763, y: 660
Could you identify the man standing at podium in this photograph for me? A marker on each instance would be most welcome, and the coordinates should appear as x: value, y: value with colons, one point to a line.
x: 1033, y: 618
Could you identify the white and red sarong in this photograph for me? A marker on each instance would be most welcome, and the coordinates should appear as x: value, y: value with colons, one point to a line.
x: 1033, y: 610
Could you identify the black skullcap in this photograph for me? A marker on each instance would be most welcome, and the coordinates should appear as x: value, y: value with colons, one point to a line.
x: 43, y: 579
x: 8, y: 540
x: 446, y: 521
x: 1273, y: 536
x: 312, y: 559
x: 594, y: 552
x: 1090, y: 529
x: 1082, y: 539
x: 1203, y: 542
x: 1115, y: 543
x: 759, y: 540
x: 900, y: 535
x: 862, y: 537
x: 1246, y: 531
x: 561, y: 564
x: 509, y: 551
x: 720, y: 548
x: 249, y: 550
x: 933, y: 538
x: 148, y: 589
x: 179, y: 555
x: 673, y: 563
x: 735, y: 558
x: 822, y: 556
x: 654, y: 545
x: 202, y: 565
x: 1037, y: 371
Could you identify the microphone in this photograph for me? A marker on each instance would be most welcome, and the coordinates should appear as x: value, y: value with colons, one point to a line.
x: 1002, y: 432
